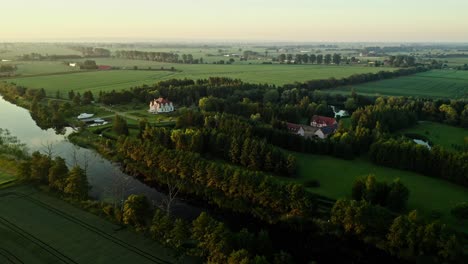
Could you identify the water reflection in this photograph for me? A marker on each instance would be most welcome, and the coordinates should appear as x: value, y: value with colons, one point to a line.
x: 107, y: 180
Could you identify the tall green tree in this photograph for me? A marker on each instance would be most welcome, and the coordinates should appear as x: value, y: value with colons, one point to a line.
x: 77, y: 185
x: 136, y: 209
x: 120, y: 126
x: 58, y: 174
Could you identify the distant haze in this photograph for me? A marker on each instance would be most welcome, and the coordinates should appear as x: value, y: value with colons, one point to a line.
x: 246, y: 20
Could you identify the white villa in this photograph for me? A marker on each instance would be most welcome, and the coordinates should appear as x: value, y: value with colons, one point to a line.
x: 160, y: 105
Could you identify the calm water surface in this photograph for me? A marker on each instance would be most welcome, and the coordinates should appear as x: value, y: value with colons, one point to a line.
x: 108, y: 182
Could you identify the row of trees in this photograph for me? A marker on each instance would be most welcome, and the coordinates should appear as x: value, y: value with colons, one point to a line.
x: 233, y: 147
x: 157, y: 56
x: 313, y: 59
x: 387, y: 115
x: 203, y: 237
x: 92, y: 52
x: 7, y: 68
x: 435, y: 162
x: 393, y: 196
x: 42, y: 169
x: 40, y: 57
x: 77, y: 99
x: 402, y: 61
x: 225, y: 186
x: 408, y: 237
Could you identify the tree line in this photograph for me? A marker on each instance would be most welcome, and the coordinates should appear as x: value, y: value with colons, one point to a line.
x: 222, y: 185
x: 409, y: 237
x: 42, y: 169
x: 92, y: 52
x: 41, y: 57
x: 158, y: 56
x: 252, y: 153
x: 7, y: 68
x: 312, y: 58
x: 436, y: 162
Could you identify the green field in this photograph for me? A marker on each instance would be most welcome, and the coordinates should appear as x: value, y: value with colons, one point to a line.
x: 94, y: 81
x: 433, y: 84
x: 428, y: 195
x: 121, y: 79
x: 37, y: 228
x: 439, y: 134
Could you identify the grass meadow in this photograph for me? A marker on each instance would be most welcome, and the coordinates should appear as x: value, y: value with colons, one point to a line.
x: 428, y: 195
x: 439, y: 134
x: 433, y: 84
x: 37, y: 228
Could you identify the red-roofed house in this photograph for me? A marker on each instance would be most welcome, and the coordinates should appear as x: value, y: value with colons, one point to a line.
x: 325, y: 125
x: 295, y: 129
x: 322, y: 121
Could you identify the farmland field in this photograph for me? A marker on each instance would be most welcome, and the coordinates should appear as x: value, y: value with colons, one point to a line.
x: 432, y: 84
x: 36, y: 228
x: 336, y: 178
x: 94, y: 81
x: 439, y: 134
x: 121, y: 79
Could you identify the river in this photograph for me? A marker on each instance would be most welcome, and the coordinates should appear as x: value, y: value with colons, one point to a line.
x: 108, y: 182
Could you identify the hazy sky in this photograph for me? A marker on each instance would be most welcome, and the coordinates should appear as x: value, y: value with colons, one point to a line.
x: 254, y: 20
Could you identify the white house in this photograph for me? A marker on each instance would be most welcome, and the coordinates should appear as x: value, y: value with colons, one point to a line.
x: 72, y: 64
x: 160, y: 105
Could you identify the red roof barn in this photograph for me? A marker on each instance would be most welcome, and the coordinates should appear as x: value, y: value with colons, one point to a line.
x: 323, y: 121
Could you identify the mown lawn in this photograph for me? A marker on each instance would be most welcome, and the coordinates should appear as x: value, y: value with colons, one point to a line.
x: 433, y: 84
x: 428, y: 195
x: 439, y: 134
x: 38, y: 228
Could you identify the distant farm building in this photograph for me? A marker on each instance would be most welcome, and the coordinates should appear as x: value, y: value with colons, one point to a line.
x: 296, y: 129
x: 104, y: 67
x: 310, y: 131
x: 72, y: 64
x: 325, y: 125
x: 160, y: 105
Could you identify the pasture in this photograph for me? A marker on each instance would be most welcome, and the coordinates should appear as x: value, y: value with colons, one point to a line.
x: 37, y: 228
x: 428, y: 195
x: 448, y: 84
x: 122, y: 79
x: 439, y: 134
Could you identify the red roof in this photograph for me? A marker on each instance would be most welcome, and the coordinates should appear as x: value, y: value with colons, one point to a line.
x: 104, y: 67
x: 293, y: 127
x: 161, y: 100
x: 323, y: 120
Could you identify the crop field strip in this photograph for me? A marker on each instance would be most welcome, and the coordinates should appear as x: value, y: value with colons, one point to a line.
x: 91, y: 228
x: 10, y: 257
x: 432, y: 84
x: 44, y: 246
